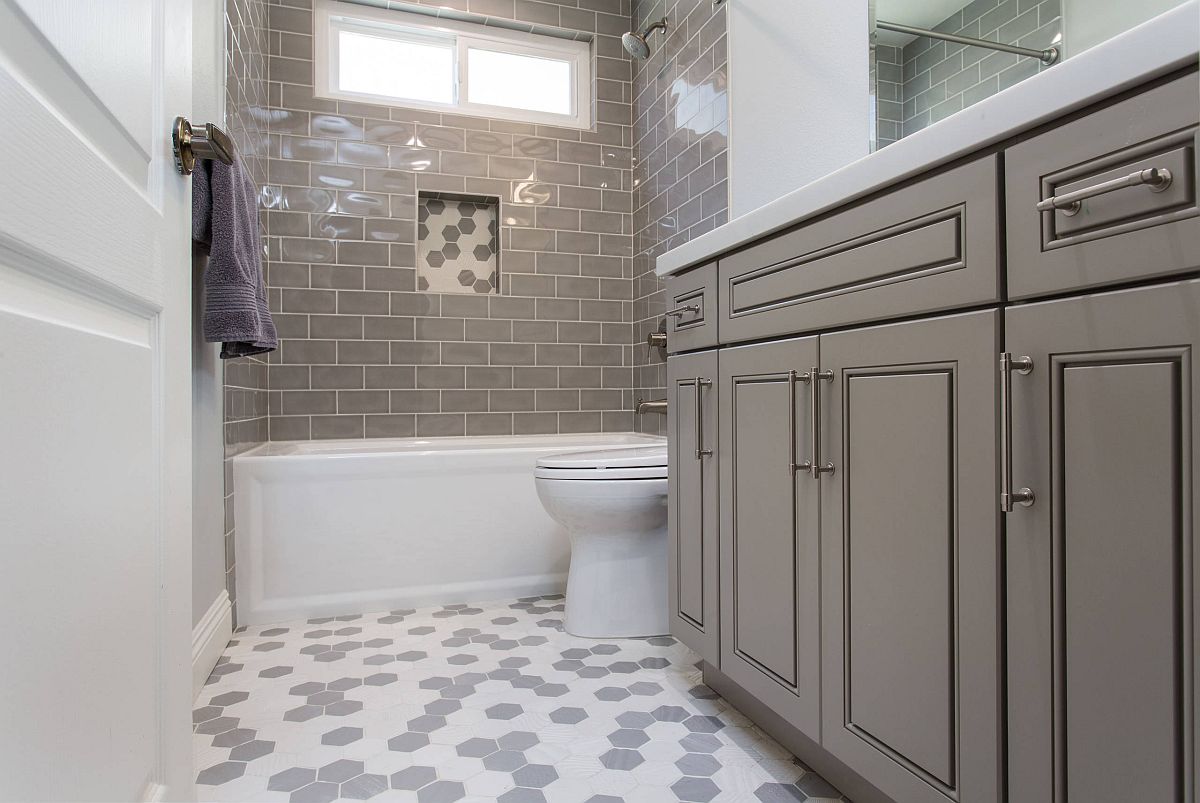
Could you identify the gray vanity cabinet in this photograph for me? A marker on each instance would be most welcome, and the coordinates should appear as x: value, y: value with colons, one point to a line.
x: 911, y: 547
x: 693, y: 499
x: 770, y: 573
x: 1101, y: 569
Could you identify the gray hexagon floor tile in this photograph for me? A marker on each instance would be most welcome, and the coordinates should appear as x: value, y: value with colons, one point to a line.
x: 476, y: 703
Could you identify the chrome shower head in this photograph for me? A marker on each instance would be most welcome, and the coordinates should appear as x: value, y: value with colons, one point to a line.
x: 637, y: 44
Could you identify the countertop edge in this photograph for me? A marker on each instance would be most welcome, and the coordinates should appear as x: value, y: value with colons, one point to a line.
x: 1161, y: 45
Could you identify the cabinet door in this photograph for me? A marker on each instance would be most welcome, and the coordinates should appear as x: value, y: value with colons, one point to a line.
x: 770, y: 597
x: 692, y: 483
x: 1101, y: 570
x: 911, y: 551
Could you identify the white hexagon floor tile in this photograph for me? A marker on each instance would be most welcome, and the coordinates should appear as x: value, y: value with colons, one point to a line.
x: 476, y: 703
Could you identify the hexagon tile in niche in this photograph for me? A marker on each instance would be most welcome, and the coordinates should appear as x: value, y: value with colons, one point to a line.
x: 476, y: 704
x: 458, y: 244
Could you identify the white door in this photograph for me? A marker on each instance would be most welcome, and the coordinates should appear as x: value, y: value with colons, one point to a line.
x: 94, y: 401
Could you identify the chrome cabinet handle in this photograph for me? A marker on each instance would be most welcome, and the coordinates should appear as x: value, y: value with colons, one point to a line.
x: 793, y: 378
x: 815, y: 466
x: 1156, y: 178
x: 701, y: 383
x: 1008, y: 497
x: 679, y: 312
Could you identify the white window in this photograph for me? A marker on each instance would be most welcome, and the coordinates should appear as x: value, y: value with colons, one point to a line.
x: 402, y: 59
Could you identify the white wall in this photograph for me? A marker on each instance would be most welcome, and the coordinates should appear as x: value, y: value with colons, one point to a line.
x: 799, y: 103
x: 208, y: 481
x: 1088, y: 22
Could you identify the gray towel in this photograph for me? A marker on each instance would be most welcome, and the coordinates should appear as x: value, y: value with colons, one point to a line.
x: 225, y: 223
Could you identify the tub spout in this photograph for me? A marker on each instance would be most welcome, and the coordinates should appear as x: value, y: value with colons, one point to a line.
x: 644, y: 407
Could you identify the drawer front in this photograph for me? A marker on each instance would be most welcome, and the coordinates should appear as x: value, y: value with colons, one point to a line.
x: 928, y: 247
x: 692, y: 309
x: 1134, y: 230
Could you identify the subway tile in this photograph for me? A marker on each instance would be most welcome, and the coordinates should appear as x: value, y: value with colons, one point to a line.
x: 415, y: 353
x: 415, y: 401
x: 336, y: 426
x: 389, y: 376
x: 337, y: 377
x: 388, y: 327
x: 440, y: 376
x: 308, y: 402
x: 535, y: 423
x: 336, y: 327
x: 464, y: 401
x: 534, y: 331
x: 432, y: 425
x: 465, y: 353
x: 489, y: 331
x: 362, y: 352
x: 336, y: 277
x: 390, y: 426
x: 362, y: 401
x: 511, y: 354
x: 489, y: 424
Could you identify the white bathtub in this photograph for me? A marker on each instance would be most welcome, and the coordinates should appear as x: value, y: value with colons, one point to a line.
x: 326, y: 528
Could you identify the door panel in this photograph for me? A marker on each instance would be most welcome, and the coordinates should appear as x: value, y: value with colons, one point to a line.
x: 901, y: 623
x: 692, y: 524
x: 1100, y: 569
x: 769, y: 541
x: 910, y: 546
x: 95, y: 484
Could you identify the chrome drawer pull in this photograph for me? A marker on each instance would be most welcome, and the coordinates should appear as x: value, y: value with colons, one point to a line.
x: 679, y: 312
x: 1009, y: 497
x: 792, y: 379
x: 1156, y: 179
x: 701, y: 383
x: 815, y: 466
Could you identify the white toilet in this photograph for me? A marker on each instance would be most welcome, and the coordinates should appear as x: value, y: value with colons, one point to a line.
x: 614, y: 505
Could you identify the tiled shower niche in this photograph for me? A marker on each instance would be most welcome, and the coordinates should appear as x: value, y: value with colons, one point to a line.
x: 458, y: 243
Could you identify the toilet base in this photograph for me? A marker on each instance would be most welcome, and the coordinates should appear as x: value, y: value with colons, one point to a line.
x: 616, y: 585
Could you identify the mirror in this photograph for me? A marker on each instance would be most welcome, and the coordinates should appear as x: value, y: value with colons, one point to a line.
x: 918, y: 79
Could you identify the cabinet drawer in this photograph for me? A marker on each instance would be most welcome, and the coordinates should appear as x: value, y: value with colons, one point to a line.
x: 693, y: 296
x: 930, y: 246
x: 1131, y: 232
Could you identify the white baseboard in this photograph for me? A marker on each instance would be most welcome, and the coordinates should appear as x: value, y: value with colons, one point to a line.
x: 210, y: 636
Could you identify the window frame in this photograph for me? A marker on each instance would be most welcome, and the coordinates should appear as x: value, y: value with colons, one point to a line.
x: 330, y: 18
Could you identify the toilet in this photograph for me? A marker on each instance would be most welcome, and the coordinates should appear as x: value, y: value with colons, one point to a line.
x: 614, y: 505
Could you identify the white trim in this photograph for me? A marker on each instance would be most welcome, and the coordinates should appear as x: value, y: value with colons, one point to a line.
x: 327, y: 14
x: 210, y: 636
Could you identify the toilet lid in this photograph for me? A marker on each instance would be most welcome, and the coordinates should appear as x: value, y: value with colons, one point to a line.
x: 640, y: 462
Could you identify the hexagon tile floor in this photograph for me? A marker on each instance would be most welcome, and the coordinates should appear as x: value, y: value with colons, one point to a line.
x: 486, y: 703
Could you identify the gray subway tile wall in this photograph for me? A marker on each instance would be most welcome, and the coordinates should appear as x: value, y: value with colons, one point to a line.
x: 926, y: 80
x: 364, y: 351
x: 245, y: 378
x: 681, y: 131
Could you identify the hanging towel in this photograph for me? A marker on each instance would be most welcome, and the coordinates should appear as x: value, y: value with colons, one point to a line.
x: 225, y: 224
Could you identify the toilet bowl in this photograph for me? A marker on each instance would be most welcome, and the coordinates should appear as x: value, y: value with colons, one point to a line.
x: 613, y: 504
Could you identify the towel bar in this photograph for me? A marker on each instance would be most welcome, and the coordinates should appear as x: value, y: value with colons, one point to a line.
x: 190, y: 145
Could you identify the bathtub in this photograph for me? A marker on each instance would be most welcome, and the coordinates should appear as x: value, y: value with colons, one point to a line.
x: 326, y: 528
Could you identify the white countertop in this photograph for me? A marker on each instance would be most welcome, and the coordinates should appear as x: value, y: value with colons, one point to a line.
x: 1167, y: 42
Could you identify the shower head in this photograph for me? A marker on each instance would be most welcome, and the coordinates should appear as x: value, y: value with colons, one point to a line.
x: 637, y: 44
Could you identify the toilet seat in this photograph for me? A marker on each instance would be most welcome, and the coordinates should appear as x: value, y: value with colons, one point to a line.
x: 637, y: 463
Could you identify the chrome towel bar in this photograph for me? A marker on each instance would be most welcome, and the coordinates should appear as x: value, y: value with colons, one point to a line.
x: 1047, y: 56
x: 190, y: 145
